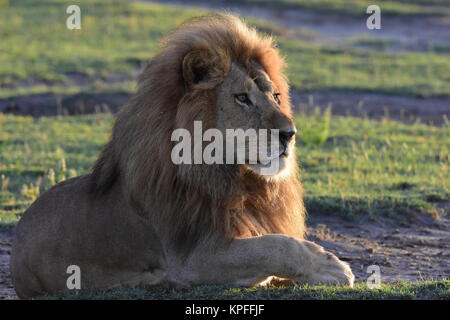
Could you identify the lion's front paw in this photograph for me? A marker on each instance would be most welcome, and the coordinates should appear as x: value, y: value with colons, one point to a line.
x: 326, y: 269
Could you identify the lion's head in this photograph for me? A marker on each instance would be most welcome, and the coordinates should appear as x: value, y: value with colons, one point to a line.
x: 248, y: 99
x: 216, y: 70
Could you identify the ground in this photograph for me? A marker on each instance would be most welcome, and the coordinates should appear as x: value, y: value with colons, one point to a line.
x: 374, y: 167
x: 419, y: 250
x: 6, y: 288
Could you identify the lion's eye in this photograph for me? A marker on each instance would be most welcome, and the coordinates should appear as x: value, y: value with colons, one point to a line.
x: 276, y: 96
x: 242, y: 98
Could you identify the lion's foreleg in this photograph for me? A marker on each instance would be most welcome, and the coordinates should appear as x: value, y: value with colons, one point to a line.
x: 247, y: 262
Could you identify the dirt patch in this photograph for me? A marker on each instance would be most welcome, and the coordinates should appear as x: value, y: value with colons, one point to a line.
x: 415, y: 250
x: 39, y: 105
x: 376, y: 106
x: 371, y: 105
x: 6, y: 287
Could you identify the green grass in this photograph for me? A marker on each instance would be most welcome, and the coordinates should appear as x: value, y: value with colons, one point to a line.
x: 31, y: 149
x: 322, y: 68
x: 36, y: 42
x: 95, y: 88
x: 356, y: 168
x: 376, y: 43
x: 371, y: 168
x: 439, y: 290
x: 121, y: 36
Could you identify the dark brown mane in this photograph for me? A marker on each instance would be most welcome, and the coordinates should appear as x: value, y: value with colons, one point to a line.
x: 189, y: 203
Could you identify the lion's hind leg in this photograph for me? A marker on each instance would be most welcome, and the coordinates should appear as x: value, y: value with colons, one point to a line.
x: 26, y: 284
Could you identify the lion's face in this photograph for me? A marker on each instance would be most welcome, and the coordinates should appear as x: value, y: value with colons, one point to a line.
x: 250, y: 100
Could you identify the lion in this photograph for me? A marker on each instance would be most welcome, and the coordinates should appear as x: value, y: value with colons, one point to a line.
x: 139, y: 219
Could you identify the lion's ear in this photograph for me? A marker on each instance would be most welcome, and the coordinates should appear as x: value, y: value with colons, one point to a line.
x: 202, y: 70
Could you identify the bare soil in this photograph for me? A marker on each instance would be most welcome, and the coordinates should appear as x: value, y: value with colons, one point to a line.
x: 49, y: 104
x: 416, y: 249
x: 6, y: 287
x: 434, y: 111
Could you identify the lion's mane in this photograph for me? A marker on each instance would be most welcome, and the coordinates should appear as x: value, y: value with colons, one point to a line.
x: 191, y: 203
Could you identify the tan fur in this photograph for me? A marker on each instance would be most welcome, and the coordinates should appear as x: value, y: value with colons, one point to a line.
x: 139, y: 218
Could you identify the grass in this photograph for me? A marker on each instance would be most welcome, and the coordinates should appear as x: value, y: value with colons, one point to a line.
x: 438, y: 290
x: 37, y: 46
x: 378, y: 44
x: 46, y: 49
x: 355, y: 168
x: 34, y: 150
x: 373, y: 168
x: 324, y: 68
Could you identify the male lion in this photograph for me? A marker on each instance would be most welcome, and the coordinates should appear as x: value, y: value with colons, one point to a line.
x: 138, y: 218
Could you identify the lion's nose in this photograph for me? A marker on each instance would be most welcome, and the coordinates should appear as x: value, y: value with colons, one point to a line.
x: 286, y: 135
